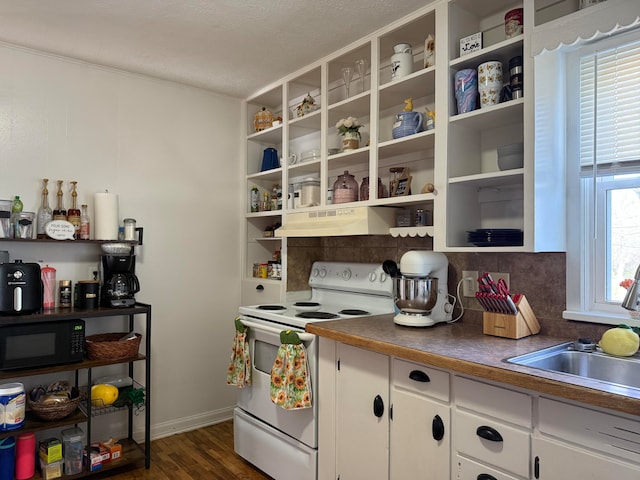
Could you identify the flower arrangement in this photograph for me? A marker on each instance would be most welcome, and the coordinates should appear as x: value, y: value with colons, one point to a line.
x: 349, y: 125
x: 626, y: 283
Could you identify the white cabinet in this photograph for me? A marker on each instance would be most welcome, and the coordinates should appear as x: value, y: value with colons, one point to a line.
x: 554, y: 460
x: 362, y: 414
x: 420, y: 434
x: 603, y: 445
x: 458, y: 156
x: 492, y: 426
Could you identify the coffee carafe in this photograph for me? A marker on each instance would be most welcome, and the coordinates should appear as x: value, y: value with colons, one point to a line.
x: 119, y: 282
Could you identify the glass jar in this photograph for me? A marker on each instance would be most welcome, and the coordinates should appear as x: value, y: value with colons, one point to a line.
x: 345, y: 189
x: 263, y: 120
x: 364, y: 189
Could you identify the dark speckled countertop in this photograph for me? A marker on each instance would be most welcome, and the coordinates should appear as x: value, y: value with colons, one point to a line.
x: 465, y: 349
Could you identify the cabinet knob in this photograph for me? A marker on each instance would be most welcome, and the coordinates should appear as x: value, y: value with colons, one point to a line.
x: 378, y: 406
x: 489, y: 433
x: 419, y: 376
x: 260, y: 287
x: 437, y: 428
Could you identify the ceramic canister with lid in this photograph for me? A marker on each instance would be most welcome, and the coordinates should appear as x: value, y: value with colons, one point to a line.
x: 345, y: 189
x: 401, y: 61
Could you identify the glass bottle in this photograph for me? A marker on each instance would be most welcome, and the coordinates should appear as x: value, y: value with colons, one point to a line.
x: 255, y: 199
x: 16, y: 210
x: 73, y: 214
x: 364, y: 189
x: 345, y: 189
x: 59, y: 213
x: 45, y: 215
x: 17, y: 206
x: 85, y: 223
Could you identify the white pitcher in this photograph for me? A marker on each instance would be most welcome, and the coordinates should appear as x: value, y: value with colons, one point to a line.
x: 401, y: 61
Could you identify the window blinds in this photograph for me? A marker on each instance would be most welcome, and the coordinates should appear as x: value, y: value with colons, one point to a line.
x: 610, y: 110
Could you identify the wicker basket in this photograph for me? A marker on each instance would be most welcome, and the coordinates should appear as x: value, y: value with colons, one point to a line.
x: 53, y: 410
x: 108, y: 346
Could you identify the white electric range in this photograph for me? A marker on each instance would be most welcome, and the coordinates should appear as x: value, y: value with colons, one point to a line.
x: 283, y: 443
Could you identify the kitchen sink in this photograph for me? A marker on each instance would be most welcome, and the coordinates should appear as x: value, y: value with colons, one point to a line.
x: 622, y: 371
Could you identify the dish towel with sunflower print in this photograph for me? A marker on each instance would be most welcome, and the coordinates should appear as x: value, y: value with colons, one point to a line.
x: 239, y: 371
x: 290, y: 382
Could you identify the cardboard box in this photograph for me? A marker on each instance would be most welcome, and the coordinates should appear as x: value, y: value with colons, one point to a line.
x: 50, y: 450
x: 51, y: 470
x: 114, y: 449
x: 96, y: 457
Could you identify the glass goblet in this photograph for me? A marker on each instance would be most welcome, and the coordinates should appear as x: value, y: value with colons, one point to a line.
x: 361, y: 66
x: 347, y: 74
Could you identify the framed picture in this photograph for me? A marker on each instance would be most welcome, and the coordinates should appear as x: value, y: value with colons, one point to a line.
x: 402, y: 186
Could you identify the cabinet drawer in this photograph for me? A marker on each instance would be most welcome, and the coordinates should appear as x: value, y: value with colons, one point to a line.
x: 252, y: 294
x: 470, y: 470
x: 511, y: 454
x: 608, y: 433
x: 498, y: 402
x: 420, y: 379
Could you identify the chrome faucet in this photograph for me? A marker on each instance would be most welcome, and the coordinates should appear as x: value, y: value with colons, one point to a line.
x: 632, y: 298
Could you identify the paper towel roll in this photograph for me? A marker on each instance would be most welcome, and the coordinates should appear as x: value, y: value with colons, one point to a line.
x: 106, y: 216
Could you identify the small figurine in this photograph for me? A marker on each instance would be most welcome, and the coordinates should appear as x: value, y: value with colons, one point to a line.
x: 408, y: 105
x: 308, y: 105
x: 430, y: 123
x: 429, y: 51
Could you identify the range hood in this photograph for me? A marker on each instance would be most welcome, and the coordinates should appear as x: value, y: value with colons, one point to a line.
x: 338, y: 221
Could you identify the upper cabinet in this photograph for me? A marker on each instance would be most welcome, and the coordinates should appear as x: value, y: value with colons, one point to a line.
x: 418, y: 155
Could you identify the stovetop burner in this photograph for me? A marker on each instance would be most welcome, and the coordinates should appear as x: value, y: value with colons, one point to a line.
x: 306, y: 304
x: 353, y: 311
x: 271, y: 307
x: 318, y: 315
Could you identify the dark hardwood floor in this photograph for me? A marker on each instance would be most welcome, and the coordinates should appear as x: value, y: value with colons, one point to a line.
x: 206, y: 453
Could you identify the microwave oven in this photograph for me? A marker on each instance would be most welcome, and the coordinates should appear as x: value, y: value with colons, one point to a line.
x: 41, y: 344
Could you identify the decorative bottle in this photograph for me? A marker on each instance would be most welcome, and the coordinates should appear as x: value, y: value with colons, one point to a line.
x: 45, y: 215
x: 59, y: 213
x: 17, y: 206
x: 85, y: 223
x: 73, y: 214
x: 345, y: 189
x: 255, y: 199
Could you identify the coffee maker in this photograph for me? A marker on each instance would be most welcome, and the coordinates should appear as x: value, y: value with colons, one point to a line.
x: 119, y: 282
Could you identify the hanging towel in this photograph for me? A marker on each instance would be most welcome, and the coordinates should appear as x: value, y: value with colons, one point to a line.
x: 290, y: 381
x: 239, y: 371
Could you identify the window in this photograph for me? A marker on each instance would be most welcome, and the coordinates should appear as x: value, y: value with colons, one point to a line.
x: 603, y: 161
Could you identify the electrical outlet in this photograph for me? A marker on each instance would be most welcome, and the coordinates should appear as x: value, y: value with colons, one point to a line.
x: 469, y: 283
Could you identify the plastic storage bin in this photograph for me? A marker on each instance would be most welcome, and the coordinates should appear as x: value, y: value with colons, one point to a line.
x: 72, y: 446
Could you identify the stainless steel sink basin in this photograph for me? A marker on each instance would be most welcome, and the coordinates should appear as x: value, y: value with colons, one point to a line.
x: 622, y: 371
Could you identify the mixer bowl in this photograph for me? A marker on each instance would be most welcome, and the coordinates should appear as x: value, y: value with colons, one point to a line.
x: 417, y: 295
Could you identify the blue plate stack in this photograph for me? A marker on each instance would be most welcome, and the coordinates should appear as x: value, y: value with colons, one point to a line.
x: 495, y: 237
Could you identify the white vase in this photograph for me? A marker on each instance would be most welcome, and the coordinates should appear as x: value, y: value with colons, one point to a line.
x: 350, y: 141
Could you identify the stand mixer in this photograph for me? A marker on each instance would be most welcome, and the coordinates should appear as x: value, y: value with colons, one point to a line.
x: 420, y: 289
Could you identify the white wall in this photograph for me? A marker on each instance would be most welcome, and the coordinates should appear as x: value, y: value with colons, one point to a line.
x: 172, y: 154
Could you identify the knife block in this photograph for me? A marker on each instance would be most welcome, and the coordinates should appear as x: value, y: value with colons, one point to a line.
x: 523, y: 324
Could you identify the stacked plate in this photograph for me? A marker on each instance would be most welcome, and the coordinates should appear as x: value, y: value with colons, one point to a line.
x: 495, y: 237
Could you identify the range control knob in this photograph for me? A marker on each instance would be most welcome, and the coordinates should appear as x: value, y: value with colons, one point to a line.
x: 323, y: 273
x: 315, y: 272
x: 372, y: 276
x: 346, y: 274
x: 383, y: 277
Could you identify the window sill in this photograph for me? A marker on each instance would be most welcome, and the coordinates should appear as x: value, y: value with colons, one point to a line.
x: 600, y: 317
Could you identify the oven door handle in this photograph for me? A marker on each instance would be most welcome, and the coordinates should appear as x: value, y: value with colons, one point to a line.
x: 305, y: 337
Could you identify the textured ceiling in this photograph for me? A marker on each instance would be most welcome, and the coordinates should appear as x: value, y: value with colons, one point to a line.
x: 233, y: 47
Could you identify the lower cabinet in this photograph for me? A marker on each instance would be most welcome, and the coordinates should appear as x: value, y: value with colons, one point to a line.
x: 420, y: 434
x: 383, y: 417
x: 554, y: 460
x: 362, y: 414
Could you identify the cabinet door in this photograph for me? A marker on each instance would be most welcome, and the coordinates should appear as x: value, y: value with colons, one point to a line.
x: 554, y: 460
x: 419, y: 438
x: 362, y: 419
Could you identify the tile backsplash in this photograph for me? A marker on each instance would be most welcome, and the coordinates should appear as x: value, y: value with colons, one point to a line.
x: 540, y: 276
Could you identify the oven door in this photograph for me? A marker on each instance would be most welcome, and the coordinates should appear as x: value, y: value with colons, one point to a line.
x: 264, y: 341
